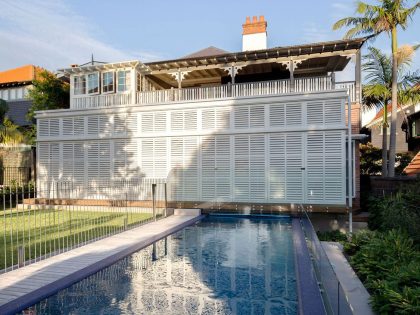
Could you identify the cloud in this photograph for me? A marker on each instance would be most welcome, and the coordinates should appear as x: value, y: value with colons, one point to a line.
x: 313, y: 33
x: 50, y: 34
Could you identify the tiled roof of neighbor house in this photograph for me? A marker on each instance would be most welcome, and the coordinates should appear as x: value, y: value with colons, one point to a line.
x: 380, y: 114
x: 21, y: 74
x: 414, y: 167
x: 209, y: 51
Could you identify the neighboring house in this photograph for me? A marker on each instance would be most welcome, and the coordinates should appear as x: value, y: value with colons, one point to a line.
x: 263, y: 128
x: 413, y: 169
x: 14, y: 86
x: 408, y: 128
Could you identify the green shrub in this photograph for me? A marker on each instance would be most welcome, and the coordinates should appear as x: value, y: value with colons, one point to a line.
x: 388, y: 263
x: 400, y: 211
x: 332, y: 236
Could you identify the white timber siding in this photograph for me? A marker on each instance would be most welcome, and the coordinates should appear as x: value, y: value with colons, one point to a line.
x: 267, y: 149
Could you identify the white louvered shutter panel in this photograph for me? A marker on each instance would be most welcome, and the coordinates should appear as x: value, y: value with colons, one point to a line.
x: 43, y: 159
x: 294, y: 164
x: 93, y: 125
x: 241, y: 117
x: 208, y: 119
x: 177, y: 120
x: 223, y: 118
x: 160, y: 158
x: 120, y: 124
x: 147, y: 157
x: 78, y: 125
x: 277, y: 174
x: 334, y: 167
x: 147, y: 123
x: 315, y: 167
x: 256, y: 116
x: 68, y: 160
x: 132, y: 123
x: 190, y: 120
x: 119, y: 165
x: 277, y: 115
x: 190, y: 169
x: 92, y: 163
x: 315, y: 113
x: 223, y: 182
x: 79, y: 163
x: 105, y: 125
x: 43, y: 128
x: 334, y: 112
x: 160, y: 121
x: 175, y: 176
x: 54, y: 160
x: 241, y: 164
x: 54, y: 127
x: 293, y: 114
x: 257, y: 177
x: 208, y: 165
x: 68, y: 129
x: 105, y: 161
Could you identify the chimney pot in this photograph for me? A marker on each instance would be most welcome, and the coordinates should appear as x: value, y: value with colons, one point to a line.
x: 261, y: 18
x: 254, y: 19
x: 248, y: 20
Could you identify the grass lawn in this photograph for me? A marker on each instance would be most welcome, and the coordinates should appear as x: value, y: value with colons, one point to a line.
x: 46, y: 231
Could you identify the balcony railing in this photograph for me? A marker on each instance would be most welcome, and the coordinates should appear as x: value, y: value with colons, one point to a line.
x: 237, y: 90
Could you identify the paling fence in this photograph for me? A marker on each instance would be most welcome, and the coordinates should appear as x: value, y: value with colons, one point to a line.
x: 15, y: 175
x: 39, y: 222
x: 335, y: 300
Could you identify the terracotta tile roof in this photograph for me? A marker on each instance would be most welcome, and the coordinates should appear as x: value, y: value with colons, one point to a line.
x: 414, y: 167
x: 380, y: 114
x: 20, y: 74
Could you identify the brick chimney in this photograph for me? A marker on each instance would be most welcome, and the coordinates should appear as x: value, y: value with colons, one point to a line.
x: 254, y: 34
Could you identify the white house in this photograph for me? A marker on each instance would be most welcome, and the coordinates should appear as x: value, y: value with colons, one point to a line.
x: 264, y: 128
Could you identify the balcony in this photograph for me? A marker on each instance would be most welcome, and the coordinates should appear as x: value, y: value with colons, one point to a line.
x: 226, y: 91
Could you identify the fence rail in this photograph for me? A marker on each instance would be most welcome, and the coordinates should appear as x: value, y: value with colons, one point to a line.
x: 38, y: 224
x: 249, y: 89
x: 333, y: 294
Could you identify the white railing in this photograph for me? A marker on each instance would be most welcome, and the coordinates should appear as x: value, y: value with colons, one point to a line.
x: 301, y: 85
x: 350, y: 86
x: 104, y: 100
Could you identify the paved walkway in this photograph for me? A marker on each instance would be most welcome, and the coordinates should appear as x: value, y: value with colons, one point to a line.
x: 355, y: 292
x: 23, y: 287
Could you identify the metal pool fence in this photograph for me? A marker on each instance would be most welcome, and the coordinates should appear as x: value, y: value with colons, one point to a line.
x: 332, y: 291
x: 39, y: 223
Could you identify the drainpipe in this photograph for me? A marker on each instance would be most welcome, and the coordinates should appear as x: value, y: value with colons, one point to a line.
x: 349, y: 166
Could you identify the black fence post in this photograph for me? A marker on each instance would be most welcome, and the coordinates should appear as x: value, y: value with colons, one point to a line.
x: 154, y: 201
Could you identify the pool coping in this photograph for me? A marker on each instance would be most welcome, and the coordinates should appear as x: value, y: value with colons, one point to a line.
x: 31, y: 298
x: 309, y: 295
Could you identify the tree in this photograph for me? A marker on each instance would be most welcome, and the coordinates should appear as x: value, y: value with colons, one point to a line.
x: 48, y: 93
x: 386, y: 17
x: 10, y: 133
x: 3, y: 109
x: 377, y: 92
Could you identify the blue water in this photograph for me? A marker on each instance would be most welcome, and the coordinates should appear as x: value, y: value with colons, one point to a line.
x: 221, y: 265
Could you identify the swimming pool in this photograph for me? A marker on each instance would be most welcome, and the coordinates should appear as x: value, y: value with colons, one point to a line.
x: 220, y: 265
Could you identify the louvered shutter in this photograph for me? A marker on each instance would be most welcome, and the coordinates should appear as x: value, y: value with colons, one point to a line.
x: 208, y: 166
x: 241, y: 167
x: 120, y: 124
x: 277, y: 167
x: 223, y: 181
x: 294, y: 164
x: 293, y: 114
x: 277, y: 115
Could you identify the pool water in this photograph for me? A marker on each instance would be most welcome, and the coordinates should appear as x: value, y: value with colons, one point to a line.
x: 220, y: 265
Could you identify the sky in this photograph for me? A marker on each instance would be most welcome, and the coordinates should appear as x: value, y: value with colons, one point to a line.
x: 56, y: 33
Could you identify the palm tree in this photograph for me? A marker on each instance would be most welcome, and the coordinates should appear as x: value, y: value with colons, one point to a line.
x: 386, y: 17
x: 377, y: 92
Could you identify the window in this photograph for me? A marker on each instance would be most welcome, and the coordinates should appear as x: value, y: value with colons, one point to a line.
x: 93, y: 83
x: 123, y: 80
x: 108, y: 82
x: 79, y: 85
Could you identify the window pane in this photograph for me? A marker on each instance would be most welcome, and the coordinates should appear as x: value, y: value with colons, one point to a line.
x: 79, y: 85
x: 123, y: 81
x: 108, y: 82
x: 93, y: 83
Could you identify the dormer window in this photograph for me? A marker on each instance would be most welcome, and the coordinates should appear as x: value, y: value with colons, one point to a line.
x: 124, y: 81
x: 79, y: 85
x: 108, y: 84
x: 93, y: 83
